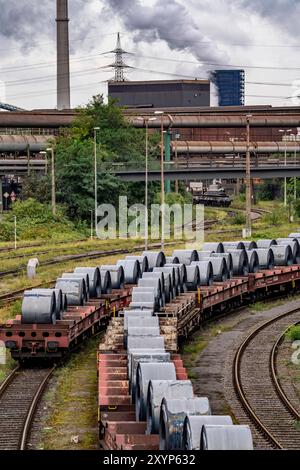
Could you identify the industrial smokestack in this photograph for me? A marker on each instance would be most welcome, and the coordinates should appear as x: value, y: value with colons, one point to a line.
x: 63, y: 57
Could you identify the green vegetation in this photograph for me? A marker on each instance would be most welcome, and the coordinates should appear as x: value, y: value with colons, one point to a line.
x: 293, y: 332
x: 35, y: 221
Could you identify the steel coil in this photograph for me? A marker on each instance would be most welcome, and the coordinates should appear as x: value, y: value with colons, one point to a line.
x: 74, y: 290
x: 106, y: 285
x: 265, y: 258
x: 156, y: 259
x: 136, y: 356
x: 186, y: 256
x: 143, y: 260
x: 172, y: 259
x: 294, y: 244
x: 132, y: 270
x: 193, y: 277
x: 250, y: 245
x: 265, y: 243
x: 152, y: 282
x: 159, y: 389
x: 171, y: 287
x: 228, y: 258
x: 240, y: 262
x: 205, y: 271
x: 94, y: 280
x: 233, y: 246
x: 205, y: 254
x: 40, y: 309
x: 253, y: 261
x: 146, y: 372
x: 217, y: 247
x: 136, y: 315
x: 60, y: 299
x: 182, y: 275
x: 116, y: 274
x: 156, y: 275
x: 220, y: 271
x: 146, y: 295
x: 283, y: 255
x: 135, y: 342
x: 226, y: 437
x: 173, y: 412
x: 192, y: 428
x: 86, y: 282
x: 168, y: 281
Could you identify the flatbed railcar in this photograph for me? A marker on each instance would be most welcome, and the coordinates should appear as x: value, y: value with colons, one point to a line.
x: 38, y: 341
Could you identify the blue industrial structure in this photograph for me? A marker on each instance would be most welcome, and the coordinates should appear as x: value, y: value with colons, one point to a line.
x: 231, y: 86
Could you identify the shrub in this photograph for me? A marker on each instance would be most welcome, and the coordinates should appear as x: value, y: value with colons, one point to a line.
x: 293, y: 332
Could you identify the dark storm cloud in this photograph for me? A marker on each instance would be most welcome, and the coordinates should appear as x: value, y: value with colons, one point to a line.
x: 24, y: 21
x: 169, y: 21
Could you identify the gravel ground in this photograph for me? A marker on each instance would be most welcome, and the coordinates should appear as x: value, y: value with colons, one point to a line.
x: 212, y: 369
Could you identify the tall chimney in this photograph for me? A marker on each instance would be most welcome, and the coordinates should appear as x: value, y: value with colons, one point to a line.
x: 63, y: 58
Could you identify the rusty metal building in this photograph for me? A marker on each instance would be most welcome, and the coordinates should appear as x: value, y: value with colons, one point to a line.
x: 161, y: 93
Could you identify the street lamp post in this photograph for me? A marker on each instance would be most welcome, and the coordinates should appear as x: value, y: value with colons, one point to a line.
x: 146, y: 120
x: 161, y: 114
x: 177, y: 136
x: 285, y: 132
x: 295, y: 163
x: 96, y: 175
x: 53, y: 183
x: 248, y: 179
x: 91, y: 211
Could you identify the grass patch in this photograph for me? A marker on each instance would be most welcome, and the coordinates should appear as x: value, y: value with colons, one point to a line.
x: 293, y: 332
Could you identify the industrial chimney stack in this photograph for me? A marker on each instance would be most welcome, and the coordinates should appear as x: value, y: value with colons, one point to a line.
x: 63, y: 58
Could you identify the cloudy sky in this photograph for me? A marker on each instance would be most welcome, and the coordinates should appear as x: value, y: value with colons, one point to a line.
x: 167, y: 39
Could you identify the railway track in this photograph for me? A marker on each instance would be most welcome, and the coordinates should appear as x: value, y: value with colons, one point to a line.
x: 258, y: 387
x: 20, y: 395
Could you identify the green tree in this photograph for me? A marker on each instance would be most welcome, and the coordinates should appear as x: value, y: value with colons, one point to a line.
x: 118, y: 142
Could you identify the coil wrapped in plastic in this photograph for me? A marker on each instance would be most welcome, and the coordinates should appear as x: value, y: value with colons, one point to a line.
x: 156, y: 259
x: 146, y: 372
x: 192, y: 428
x: 40, y: 309
x: 172, y: 415
x: 116, y: 274
x: 94, y: 280
x: 226, y: 437
x: 205, y: 271
x: 73, y: 289
x: 132, y: 270
x: 159, y: 389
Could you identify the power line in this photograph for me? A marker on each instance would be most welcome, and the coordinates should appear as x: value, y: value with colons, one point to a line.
x: 241, y: 66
